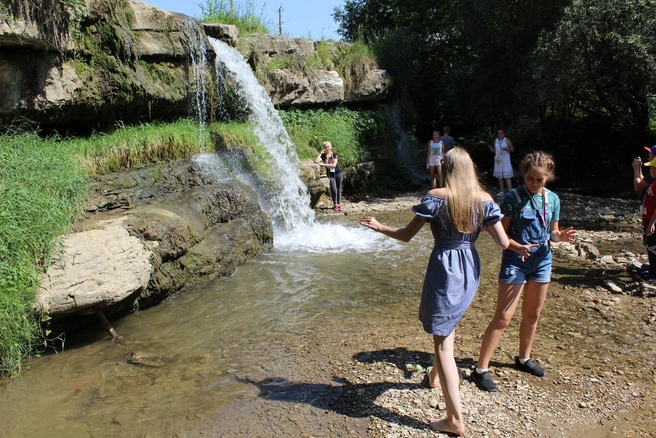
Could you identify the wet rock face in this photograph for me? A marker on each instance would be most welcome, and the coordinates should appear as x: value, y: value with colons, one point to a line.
x: 150, y: 233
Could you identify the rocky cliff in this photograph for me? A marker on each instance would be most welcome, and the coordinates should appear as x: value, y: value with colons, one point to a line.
x: 149, y: 233
x: 124, y: 60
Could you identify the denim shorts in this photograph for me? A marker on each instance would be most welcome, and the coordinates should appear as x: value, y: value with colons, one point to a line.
x: 537, y: 267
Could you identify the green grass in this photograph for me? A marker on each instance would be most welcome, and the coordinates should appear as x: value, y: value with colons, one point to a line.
x: 137, y: 146
x: 41, y: 187
x: 308, y: 129
x: 242, y: 14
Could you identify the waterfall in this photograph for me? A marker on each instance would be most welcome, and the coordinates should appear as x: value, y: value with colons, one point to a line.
x: 281, y: 192
x: 405, y: 146
x: 286, y: 198
x: 196, y: 41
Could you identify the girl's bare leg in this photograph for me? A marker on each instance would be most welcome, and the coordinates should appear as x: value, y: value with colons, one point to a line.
x: 508, y: 184
x: 534, y: 297
x: 450, y: 383
x: 507, y: 300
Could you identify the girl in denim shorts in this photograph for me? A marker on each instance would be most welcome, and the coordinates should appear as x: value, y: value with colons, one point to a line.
x: 531, y: 214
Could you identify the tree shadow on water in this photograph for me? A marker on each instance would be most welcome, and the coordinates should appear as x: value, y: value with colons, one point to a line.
x: 353, y: 399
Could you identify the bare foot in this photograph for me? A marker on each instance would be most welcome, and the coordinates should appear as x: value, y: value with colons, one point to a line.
x: 433, y: 378
x: 446, y: 426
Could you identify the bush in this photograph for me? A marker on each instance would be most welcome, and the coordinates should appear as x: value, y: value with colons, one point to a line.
x: 240, y: 14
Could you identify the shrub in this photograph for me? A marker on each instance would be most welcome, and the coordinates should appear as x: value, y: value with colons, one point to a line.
x: 241, y: 14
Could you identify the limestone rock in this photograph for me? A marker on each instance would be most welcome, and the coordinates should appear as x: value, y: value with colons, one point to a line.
x: 227, y: 33
x: 97, y: 269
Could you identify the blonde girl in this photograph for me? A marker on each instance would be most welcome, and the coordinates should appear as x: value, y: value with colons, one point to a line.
x: 456, y: 213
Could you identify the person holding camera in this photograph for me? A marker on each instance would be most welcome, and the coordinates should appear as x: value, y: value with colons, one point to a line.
x: 329, y: 159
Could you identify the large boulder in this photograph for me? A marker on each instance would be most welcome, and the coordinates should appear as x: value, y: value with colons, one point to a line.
x: 97, y: 269
x: 150, y: 233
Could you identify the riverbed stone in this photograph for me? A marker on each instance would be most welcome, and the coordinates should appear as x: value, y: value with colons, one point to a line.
x: 95, y: 270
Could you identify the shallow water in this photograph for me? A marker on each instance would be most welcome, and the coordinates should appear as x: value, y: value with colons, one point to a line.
x: 205, y: 348
x: 201, y: 340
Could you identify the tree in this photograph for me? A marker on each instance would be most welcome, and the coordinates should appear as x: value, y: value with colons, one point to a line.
x: 597, y: 66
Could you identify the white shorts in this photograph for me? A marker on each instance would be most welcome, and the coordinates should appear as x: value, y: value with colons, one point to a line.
x: 435, y: 160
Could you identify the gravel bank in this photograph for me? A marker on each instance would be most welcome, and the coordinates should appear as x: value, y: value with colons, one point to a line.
x: 598, y: 351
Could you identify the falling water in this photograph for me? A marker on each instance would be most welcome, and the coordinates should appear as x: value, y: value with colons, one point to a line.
x: 283, y: 195
x: 287, y: 199
x: 199, y: 83
x: 405, y: 146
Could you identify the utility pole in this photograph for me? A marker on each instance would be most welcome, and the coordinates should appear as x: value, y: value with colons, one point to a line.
x: 280, y: 21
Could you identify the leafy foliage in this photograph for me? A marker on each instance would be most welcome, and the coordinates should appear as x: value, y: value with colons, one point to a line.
x: 564, y: 75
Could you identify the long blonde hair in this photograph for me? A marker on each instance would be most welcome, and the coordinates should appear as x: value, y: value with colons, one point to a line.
x: 464, y: 194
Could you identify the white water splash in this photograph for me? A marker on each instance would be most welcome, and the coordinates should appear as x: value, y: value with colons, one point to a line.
x: 284, y: 197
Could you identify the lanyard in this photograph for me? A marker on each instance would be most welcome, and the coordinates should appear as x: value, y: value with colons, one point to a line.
x: 543, y: 218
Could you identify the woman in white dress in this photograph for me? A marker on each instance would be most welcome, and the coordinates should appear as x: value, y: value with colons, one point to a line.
x: 503, y: 170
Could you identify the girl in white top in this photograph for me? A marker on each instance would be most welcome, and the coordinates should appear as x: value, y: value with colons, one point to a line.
x: 503, y: 170
x: 434, y: 158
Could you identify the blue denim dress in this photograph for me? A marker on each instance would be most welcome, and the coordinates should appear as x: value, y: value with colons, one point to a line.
x: 454, y: 267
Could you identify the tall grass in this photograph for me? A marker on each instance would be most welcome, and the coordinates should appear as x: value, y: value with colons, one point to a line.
x: 137, y: 146
x: 41, y: 187
x: 242, y: 14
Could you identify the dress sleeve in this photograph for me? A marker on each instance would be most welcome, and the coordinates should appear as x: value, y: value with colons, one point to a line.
x: 492, y: 213
x: 429, y: 208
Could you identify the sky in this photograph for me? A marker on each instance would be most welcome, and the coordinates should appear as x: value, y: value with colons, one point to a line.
x: 300, y: 18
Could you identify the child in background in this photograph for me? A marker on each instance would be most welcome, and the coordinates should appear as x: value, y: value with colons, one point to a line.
x: 503, y: 170
x: 649, y: 219
x: 434, y: 158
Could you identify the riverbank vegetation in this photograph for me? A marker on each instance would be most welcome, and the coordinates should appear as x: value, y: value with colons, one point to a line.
x: 41, y: 185
x: 351, y: 132
x: 573, y: 78
x: 44, y: 180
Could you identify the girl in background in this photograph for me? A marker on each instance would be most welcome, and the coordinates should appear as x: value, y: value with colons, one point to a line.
x: 329, y: 159
x: 503, y: 170
x: 434, y: 158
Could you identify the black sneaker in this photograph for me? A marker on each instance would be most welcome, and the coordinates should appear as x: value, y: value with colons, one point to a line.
x: 484, y: 381
x: 529, y: 367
